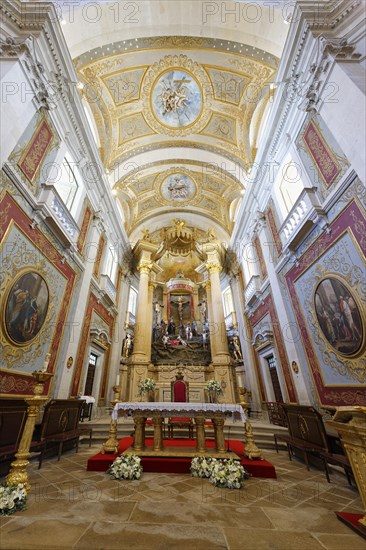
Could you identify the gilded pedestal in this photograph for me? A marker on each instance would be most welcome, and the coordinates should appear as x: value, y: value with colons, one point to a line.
x: 111, y: 445
x: 350, y: 423
x: 251, y: 449
x: 18, y: 470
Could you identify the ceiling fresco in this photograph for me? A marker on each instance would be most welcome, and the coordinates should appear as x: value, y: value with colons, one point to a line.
x: 173, y: 93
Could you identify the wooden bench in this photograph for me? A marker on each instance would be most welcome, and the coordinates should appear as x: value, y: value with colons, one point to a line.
x: 13, y: 415
x: 307, y: 434
x: 60, y: 424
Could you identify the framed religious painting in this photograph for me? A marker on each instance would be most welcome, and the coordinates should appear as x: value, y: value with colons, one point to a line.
x: 339, y: 316
x: 26, y: 307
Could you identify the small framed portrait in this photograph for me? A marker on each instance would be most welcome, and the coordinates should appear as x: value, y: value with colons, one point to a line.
x: 26, y: 307
x: 339, y: 317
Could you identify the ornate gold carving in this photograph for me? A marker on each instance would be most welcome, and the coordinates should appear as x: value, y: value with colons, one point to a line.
x: 145, y: 266
x: 213, y: 266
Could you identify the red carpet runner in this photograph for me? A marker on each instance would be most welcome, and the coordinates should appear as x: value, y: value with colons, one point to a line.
x: 180, y: 465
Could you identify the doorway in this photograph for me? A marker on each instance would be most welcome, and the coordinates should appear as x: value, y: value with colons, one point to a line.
x: 89, y: 382
x: 271, y: 361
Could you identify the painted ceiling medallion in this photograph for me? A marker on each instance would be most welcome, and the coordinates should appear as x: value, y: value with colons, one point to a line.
x: 178, y: 188
x: 177, y: 96
x: 176, y: 99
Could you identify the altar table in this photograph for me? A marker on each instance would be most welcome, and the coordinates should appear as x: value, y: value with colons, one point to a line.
x: 217, y: 412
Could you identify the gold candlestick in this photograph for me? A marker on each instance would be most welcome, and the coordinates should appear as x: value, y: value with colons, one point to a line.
x: 251, y: 449
x: 111, y: 445
x: 18, y: 469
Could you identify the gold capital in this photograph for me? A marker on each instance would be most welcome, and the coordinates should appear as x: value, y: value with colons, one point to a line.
x: 213, y: 267
x: 144, y: 267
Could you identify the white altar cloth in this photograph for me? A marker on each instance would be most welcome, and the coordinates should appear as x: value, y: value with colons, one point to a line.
x: 188, y: 410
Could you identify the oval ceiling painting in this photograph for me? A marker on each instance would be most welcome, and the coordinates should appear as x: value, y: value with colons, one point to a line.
x: 178, y: 188
x: 176, y: 99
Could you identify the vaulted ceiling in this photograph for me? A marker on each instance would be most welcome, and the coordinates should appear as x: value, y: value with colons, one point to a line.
x: 178, y: 116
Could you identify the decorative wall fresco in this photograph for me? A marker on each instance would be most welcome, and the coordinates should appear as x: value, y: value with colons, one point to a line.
x: 36, y: 291
x: 260, y: 257
x: 34, y: 154
x: 37, y: 147
x: 321, y: 155
x: 328, y: 293
x: 85, y: 224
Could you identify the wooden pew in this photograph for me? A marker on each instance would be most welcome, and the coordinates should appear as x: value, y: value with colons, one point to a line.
x: 60, y: 424
x: 307, y: 434
x: 13, y: 415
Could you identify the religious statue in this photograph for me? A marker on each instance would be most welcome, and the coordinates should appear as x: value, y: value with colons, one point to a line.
x: 127, y: 346
x: 157, y: 311
x: 237, y: 351
x: 180, y: 303
x: 203, y: 306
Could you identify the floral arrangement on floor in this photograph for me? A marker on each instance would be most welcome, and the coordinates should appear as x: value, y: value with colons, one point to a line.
x: 228, y: 473
x: 126, y: 467
x: 201, y: 466
x: 214, y: 387
x: 225, y: 472
x: 13, y: 498
x: 146, y: 385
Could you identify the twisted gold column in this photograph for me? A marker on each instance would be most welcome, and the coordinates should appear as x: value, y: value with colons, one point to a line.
x: 18, y: 469
x: 219, y: 434
x: 251, y: 449
x: 200, y: 431
x: 139, y: 439
x: 158, y: 433
x: 111, y: 445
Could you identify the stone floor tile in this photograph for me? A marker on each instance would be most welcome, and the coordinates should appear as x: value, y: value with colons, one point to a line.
x: 26, y: 533
x: 142, y: 536
x: 342, y: 542
x: 260, y: 539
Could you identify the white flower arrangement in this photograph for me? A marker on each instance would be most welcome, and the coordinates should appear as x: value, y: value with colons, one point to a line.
x: 12, y: 498
x: 146, y: 385
x: 126, y: 467
x: 222, y: 473
x: 201, y: 466
x: 228, y: 473
x: 214, y: 386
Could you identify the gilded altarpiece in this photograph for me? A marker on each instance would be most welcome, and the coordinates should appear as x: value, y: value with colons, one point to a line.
x: 36, y: 290
x: 328, y: 292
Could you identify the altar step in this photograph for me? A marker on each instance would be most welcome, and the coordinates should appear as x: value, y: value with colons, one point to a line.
x: 263, y: 431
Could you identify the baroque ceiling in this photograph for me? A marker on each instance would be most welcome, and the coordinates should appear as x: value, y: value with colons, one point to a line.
x: 178, y: 119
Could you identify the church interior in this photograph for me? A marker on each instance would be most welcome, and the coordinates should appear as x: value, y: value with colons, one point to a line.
x: 183, y: 272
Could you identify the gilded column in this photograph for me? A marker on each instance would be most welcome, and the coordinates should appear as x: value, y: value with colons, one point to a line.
x: 219, y: 336
x: 212, y: 325
x: 141, y: 326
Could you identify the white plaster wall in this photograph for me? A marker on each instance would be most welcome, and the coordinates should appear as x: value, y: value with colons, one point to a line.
x: 17, y: 108
x: 344, y: 112
x: 87, y: 28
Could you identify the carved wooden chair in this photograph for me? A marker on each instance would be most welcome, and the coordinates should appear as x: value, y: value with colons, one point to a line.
x: 180, y: 394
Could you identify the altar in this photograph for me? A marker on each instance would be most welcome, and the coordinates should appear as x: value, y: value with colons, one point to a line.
x: 199, y: 412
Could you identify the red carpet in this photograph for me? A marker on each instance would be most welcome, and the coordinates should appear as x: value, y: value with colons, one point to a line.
x: 351, y: 520
x: 180, y: 465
